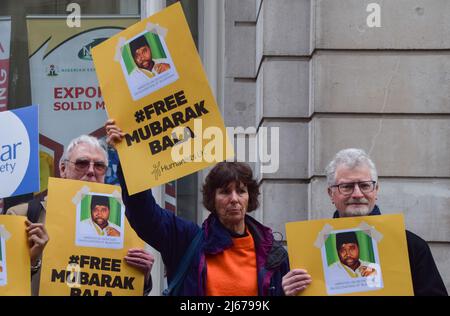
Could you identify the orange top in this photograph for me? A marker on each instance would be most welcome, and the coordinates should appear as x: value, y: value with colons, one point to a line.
x: 233, y: 272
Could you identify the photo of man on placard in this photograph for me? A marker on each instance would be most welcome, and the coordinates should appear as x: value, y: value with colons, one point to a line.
x: 142, y: 56
x: 146, y: 64
x: 351, y: 263
x: 100, y: 221
x: 347, y: 247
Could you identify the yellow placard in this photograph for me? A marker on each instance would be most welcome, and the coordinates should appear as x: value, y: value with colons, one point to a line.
x: 83, y: 259
x: 66, y: 89
x: 14, y: 257
x: 379, y: 267
x: 163, y: 102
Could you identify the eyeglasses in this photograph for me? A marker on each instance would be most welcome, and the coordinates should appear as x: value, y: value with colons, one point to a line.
x: 83, y: 164
x: 348, y: 188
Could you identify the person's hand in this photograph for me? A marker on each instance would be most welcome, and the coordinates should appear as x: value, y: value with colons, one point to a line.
x: 114, y: 134
x: 295, y: 281
x: 141, y: 259
x: 159, y: 68
x: 110, y: 231
x: 37, y: 239
x: 367, y: 271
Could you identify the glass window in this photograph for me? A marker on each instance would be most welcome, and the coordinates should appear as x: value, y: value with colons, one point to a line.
x: 187, y: 193
x: 20, y: 80
x: 190, y: 9
x: 20, y: 86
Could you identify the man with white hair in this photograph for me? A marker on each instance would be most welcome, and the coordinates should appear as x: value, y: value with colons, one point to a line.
x: 85, y: 159
x: 353, y: 188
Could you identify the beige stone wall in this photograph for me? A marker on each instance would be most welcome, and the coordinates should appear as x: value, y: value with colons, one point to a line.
x: 315, y: 69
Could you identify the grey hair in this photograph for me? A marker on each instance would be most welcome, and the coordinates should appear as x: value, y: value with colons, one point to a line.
x: 350, y: 158
x: 84, y: 139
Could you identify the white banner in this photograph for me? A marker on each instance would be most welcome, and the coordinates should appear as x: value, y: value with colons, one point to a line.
x: 19, y: 159
x: 5, y: 38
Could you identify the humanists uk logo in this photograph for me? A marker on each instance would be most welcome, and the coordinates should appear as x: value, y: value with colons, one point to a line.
x: 19, y: 169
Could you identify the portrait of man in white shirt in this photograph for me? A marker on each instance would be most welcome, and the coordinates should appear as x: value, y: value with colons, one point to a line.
x: 99, y: 224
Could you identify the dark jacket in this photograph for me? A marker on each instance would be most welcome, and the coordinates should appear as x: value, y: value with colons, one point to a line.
x: 425, y: 276
x: 172, y: 235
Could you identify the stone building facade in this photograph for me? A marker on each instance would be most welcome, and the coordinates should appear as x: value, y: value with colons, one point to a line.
x: 319, y: 72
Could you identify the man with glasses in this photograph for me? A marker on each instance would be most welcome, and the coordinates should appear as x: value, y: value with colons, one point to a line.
x: 353, y: 189
x: 84, y: 159
x: 142, y: 56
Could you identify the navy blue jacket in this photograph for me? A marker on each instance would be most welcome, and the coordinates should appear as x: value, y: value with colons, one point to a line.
x: 172, y: 235
x: 425, y: 276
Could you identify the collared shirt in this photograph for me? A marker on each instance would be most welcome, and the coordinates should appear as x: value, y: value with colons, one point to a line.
x: 88, y: 227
